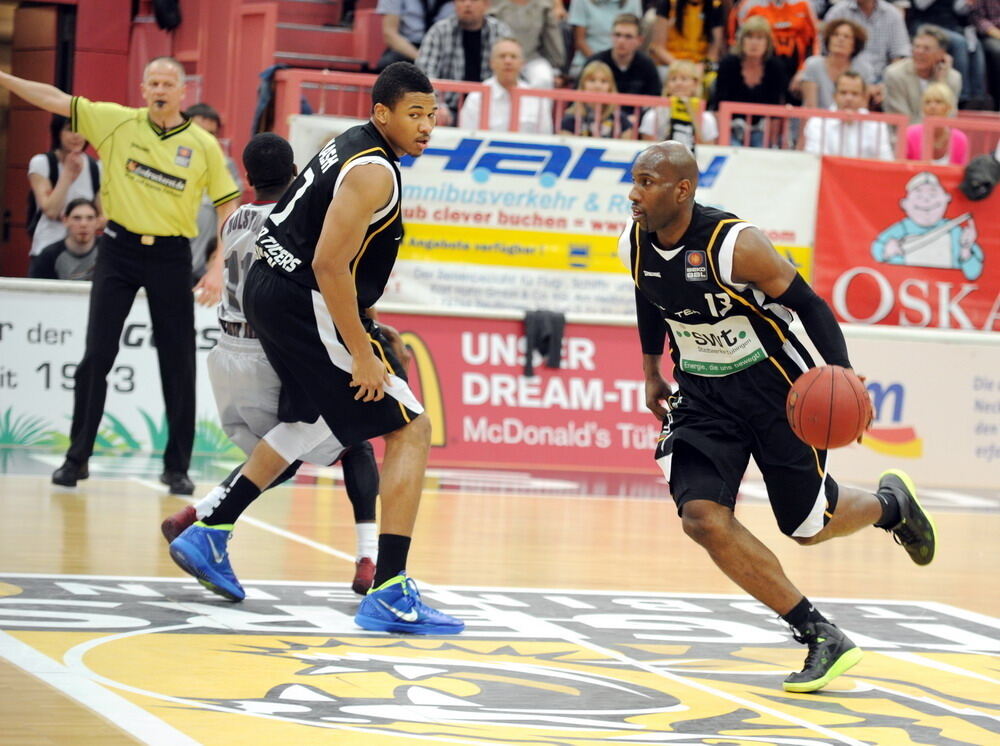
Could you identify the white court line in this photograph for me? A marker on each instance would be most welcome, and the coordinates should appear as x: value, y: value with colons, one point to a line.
x: 74, y: 657
x: 940, y: 666
x: 118, y: 711
x: 269, y: 527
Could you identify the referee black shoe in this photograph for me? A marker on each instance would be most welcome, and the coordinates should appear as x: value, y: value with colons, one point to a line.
x: 831, y: 653
x: 69, y: 474
x: 177, y: 482
x: 915, y: 531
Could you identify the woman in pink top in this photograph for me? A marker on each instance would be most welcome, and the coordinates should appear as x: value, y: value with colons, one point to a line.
x: 950, y: 145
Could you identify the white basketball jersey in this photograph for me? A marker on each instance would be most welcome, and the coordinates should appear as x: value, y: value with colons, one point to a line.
x: 239, y: 236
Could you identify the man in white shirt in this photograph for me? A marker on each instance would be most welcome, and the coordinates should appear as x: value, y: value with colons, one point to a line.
x: 851, y: 139
x: 535, y: 114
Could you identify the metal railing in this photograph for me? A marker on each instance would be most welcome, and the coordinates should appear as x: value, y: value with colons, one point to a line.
x: 347, y: 94
x: 783, y: 127
x: 982, y: 129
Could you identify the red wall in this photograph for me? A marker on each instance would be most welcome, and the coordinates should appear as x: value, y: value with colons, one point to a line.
x: 99, y: 71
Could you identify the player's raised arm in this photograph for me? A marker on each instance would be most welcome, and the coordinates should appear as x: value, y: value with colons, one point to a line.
x: 755, y: 261
x: 42, y: 95
x: 365, y: 189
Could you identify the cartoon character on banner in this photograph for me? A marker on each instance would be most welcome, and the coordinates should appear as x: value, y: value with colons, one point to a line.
x: 925, y: 237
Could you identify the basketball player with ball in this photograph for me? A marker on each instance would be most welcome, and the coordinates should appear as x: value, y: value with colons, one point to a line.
x: 715, y: 286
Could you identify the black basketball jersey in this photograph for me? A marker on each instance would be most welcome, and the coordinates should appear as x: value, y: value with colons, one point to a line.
x: 716, y: 326
x: 287, y: 242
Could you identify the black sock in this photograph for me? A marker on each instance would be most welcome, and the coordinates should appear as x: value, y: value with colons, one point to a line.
x: 361, y: 481
x: 287, y: 474
x: 802, y: 614
x: 238, y: 497
x: 890, y: 509
x: 392, y: 552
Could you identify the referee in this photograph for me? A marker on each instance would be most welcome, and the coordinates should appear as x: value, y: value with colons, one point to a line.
x: 157, y: 165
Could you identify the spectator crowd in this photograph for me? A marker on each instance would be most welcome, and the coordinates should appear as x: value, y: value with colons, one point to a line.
x: 916, y: 58
x: 697, y: 54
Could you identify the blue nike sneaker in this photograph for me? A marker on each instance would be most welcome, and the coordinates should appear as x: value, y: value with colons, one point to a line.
x: 395, y: 606
x: 201, y: 551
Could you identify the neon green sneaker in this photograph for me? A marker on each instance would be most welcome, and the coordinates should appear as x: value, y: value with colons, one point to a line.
x: 915, y: 531
x: 831, y: 653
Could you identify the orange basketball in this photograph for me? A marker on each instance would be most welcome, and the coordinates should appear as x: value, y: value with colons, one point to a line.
x: 828, y: 407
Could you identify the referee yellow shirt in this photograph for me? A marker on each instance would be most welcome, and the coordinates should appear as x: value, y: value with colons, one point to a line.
x: 154, y: 179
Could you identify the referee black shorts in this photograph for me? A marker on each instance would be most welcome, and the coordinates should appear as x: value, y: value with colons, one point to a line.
x: 314, y: 366
x: 715, y: 427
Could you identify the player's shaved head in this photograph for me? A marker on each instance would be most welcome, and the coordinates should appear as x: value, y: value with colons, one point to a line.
x: 671, y: 159
x: 664, y: 178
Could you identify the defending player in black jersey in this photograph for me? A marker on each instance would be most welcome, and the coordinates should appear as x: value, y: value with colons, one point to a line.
x: 326, y: 251
x: 715, y: 285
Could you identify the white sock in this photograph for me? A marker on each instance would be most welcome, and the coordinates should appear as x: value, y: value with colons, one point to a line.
x: 207, y: 505
x: 367, y: 534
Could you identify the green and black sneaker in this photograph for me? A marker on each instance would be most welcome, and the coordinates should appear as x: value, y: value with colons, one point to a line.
x: 915, y: 531
x: 831, y: 653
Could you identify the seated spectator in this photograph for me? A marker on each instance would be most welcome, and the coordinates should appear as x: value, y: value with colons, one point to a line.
x: 592, y: 21
x: 950, y: 145
x: 888, y: 39
x: 535, y: 114
x: 404, y: 23
x: 680, y: 120
x: 843, y: 39
x: 458, y: 48
x: 905, y: 80
x: 634, y: 71
x: 844, y: 138
x: 794, y: 29
x: 985, y: 16
x: 753, y: 76
x: 596, y: 120
x: 951, y: 17
x: 57, y: 177
x: 72, y: 257
x: 687, y: 30
x: 204, y: 244
x: 535, y: 25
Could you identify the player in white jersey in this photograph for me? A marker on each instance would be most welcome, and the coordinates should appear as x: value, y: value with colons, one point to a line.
x: 247, y: 390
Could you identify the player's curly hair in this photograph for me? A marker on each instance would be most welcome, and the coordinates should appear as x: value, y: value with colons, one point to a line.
x: 396, y: 81
x: 269, y: 161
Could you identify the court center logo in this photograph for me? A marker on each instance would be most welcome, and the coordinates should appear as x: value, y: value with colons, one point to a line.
x: 288, y: 665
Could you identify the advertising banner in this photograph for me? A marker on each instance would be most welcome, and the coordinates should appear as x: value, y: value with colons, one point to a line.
x: 589, y: 414
x: 899, y: 244
x: 43, y: 327
x: 507, y: 221
x: 936, y: 394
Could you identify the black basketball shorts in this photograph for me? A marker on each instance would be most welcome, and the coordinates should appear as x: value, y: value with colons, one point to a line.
x: 300, y: 341
x: 718, y: 423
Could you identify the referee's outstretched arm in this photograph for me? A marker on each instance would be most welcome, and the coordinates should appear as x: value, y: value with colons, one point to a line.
x: 42, y: 95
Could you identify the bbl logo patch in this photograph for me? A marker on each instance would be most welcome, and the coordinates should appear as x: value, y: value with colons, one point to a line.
x: 695, y: 267
x: 183, y: 157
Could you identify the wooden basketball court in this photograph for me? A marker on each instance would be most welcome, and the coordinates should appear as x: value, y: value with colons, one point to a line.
x: 590, y: 619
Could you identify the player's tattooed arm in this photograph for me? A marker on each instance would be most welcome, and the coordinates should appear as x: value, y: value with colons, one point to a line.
x: 364, y: 190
